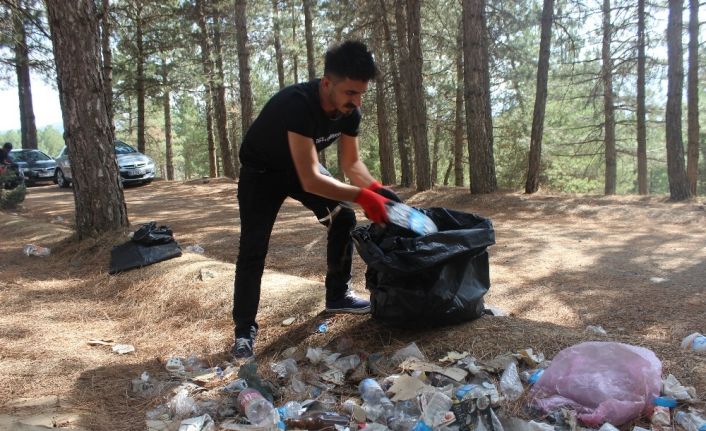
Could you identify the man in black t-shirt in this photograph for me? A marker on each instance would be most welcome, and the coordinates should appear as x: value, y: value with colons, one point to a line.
x: 5, y: 158
x: 279, y: 160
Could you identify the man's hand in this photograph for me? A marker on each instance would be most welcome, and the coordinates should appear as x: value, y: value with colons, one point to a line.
x: 373, y: 204
x: 383, y: 191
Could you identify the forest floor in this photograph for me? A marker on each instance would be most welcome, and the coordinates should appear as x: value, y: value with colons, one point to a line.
x: 634, y: 265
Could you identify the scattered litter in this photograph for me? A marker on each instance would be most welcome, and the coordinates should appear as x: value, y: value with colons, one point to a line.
x: 97, y: 342
x: 206, y: 274
x: 322, y: 328
x: 57, y: 219
x: 195, y: 249
x: 199, y: 423
x: 672, y: 388
x: 530, y: 358
x: 695, y: 342
x: 36, y: 250
x: 122, y: 349
x: 583, y: 377
x: 658, y: 280
x: 510, y: 384
x: 288, y: 321
x: 607, y: 427
x: 453, y: 356
x: 409, y: 351
x: 691, y: 421
x: 596, y: 330
x: 407, y: 387
x: 415, y: 364
x: 494, y: 311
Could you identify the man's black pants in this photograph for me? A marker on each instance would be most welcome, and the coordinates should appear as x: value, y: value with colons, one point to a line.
x: 260, y: 196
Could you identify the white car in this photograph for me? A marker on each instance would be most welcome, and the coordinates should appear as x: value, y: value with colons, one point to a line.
x: 134, y: 166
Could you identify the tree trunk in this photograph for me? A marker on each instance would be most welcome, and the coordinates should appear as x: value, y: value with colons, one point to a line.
x: 106, y: 26
x: 241, y: 35
x: 208, y: 76
x: 641, y: 112
x: 28, y: 127
x: 435, y: 153
x: 387, y: 158
x: 476, y: 85
x: 309, y: 36
x: 295, y: 59
x: 169, y: 154
x: 417, y: 96
x: 692, y: 159
x: 220, y: 105
x: 458, y: 114
x: 233, y: 129
x: 140, y: 80
x: 402, y: 127
x: 278, y: 43
x: 608, y: 109
x: 540, y: 99
x: 98, y: 194
x: 678, y: 182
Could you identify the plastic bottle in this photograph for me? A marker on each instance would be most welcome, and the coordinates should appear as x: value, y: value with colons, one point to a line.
x: 510, y: 384
x: 36, y: 250
x: 376, y: 402
x: 256, y: 408
x: 690, y: 421
x: 318, y: 421
x: 695, y: 342
x: 290, y: 410
x: 437, y: 406
x: 409, y: 218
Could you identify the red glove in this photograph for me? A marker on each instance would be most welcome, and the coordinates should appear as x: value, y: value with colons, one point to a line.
x: 384, y: 191
x: 373, y: 204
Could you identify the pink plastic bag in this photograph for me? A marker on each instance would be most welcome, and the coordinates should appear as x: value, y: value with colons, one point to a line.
x: 602, y: 381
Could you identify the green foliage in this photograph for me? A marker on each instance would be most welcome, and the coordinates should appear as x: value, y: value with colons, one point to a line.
x: 10, y: 198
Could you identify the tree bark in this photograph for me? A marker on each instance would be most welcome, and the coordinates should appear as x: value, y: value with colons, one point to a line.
x: 417, y: 96
x: 608, y: 108
x: 221, y: 108
x: 241, y: 36
x: 295, y: 59
x: 435, y: 153
x: 28, y: 127
x: 458, y: 113
x: 140, y: 79
x: 278, y: 43
x: 106, y: 28
x: 692, y: 159
x: 208, y: 76
x: 309, y: 36
x: 540, y: 99
x: 166, y: 102
x: 402, y: 127
x: 98, y: 193
x: 477, y: 90
x: 678, y: 182
x: 641, y: 111
x: 385, y: 153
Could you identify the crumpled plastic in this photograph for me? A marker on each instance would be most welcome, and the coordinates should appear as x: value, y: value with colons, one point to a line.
x: 602, y: 381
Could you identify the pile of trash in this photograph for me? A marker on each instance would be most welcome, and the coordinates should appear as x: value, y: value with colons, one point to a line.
x: 592, y: 385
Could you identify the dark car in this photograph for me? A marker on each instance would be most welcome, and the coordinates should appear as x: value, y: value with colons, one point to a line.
x: 35, y: 166
x: 135, y: 167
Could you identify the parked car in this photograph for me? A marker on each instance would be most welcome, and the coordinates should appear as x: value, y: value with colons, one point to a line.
x: 135, y: 167
x: 34, y: 165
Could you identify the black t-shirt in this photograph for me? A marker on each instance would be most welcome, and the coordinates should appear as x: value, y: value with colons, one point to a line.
x: 297, y: 109
x: 5, y: 157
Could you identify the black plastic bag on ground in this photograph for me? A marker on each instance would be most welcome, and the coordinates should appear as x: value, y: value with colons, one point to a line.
x: 430, y: 280
x: 149, y: 244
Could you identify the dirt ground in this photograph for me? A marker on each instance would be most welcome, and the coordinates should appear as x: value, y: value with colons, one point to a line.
x: 634, y: 265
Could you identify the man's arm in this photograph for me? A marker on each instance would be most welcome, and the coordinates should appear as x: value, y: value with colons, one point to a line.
x: 352, y: 166
x: 306, y: 163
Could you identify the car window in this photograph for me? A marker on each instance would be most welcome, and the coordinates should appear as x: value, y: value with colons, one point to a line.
x: 29, y: 156
x: 123, y: 148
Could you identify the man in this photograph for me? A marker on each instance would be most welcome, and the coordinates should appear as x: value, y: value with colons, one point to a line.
x: 5, y: 158
x: 279, y: 160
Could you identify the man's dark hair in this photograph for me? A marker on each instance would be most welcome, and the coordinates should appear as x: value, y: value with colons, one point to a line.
x: 7, y: 146
x: 351, y: 60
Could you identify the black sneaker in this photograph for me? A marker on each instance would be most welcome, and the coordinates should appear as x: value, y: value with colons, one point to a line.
x: 244, y: 346
x: 348, y: 304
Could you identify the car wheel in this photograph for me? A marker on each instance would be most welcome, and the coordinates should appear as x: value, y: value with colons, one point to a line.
x: 61, y: 180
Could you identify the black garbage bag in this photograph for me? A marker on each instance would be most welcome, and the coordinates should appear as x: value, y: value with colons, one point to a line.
x: 430, y: 280
x: 149, y: 244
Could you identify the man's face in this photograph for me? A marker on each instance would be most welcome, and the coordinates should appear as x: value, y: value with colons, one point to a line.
x: 343, y: 95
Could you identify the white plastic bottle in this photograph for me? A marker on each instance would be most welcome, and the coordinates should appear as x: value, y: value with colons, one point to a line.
x: 695, y: 342
x: 376, y: 402
x: 256, y: 408
x: 437, y: 406
x: 690, y: 421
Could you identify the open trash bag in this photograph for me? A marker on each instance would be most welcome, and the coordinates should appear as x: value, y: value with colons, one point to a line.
x: 602, y: 381
x: 149, y: 244
x: 428, y: 280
